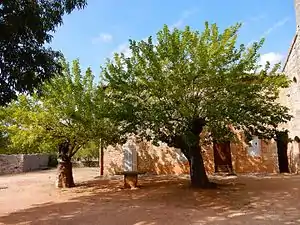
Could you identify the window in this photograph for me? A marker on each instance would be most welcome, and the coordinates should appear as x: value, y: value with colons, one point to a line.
x: 254, y: 147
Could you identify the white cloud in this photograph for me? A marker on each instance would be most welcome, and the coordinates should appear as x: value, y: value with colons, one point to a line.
x: 278, y: 24
x: 271, y: 57
x: 177, y: 24
x: 275, y: 26
x: 103, y: 37
x: 185, y: 15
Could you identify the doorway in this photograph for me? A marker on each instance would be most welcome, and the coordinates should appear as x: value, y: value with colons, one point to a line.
x: 222, y: 157
x: 282, y: 146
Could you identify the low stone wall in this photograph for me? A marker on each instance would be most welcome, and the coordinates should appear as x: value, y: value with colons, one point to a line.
x: 11, y: 164
x: 19, y: 163
x: 35, y: 162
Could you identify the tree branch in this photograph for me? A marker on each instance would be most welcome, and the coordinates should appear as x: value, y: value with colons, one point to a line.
x: 75, y: 150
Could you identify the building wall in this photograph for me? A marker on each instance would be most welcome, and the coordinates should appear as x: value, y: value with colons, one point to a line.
x: 294, y: 157
x: 10, y: 164
x: 290, y: 97
x: 266, y: 161
x: 166, y: 160
x: 113, y: 160
x: 297, y: 8
x: 150, y: 159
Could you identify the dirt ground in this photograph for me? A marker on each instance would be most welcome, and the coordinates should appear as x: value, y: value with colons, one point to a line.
x: 32, y: 199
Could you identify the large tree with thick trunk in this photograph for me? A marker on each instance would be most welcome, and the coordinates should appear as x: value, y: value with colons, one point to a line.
x: 184, y: 82
x: 65, y: 117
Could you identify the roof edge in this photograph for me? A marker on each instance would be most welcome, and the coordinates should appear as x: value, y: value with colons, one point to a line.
x: 290, y: 51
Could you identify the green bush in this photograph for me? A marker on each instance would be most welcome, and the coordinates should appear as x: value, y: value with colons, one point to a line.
x: 52, y: 160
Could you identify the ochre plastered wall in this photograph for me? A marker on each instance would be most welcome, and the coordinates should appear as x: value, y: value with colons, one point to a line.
x: 166, y: 160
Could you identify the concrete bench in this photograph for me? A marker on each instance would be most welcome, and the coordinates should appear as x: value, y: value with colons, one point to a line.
x: 130, y: 178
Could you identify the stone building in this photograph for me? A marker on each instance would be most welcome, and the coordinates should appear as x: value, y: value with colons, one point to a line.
x: 290, y: 97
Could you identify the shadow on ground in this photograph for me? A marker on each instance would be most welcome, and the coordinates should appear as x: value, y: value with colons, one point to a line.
x: 169, y: 200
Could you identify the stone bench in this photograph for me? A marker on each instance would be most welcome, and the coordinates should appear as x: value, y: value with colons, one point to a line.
x: 130, y: 178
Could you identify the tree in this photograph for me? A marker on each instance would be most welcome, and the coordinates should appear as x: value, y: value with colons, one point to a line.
x: 90, y: 151
x: 187, y: 81
x: 25, y: 28
x: 69, y: 113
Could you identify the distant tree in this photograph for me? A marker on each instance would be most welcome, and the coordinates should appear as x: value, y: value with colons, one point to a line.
x: 90, y: 151
x: 186, y: 81
x: 68, y: 115
x: 3, y: 142
x: 25, y: 28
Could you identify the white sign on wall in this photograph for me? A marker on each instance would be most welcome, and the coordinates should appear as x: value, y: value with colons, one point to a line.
x: 130, y: 156
x: 255, y: 147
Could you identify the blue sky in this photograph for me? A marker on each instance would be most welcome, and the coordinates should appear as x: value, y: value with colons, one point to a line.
x: 105, y: 26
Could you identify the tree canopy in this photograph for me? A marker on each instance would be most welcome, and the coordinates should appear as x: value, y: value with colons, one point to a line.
x: 69, y: 114
x: 25, y: 28
x: 172, y: 86
x: 70, y: 108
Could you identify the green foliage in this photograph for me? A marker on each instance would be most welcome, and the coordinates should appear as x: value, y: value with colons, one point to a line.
x: 184, y: 75
x: 53, y: 160
x: 19, y: 138
x: 26, y: 26
x: 70, y: 108
x: 89, y: 151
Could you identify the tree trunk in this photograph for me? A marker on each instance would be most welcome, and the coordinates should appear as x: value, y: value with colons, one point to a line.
x: 65, y: 175
x: 198, y: 174
x: 101, y: 159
